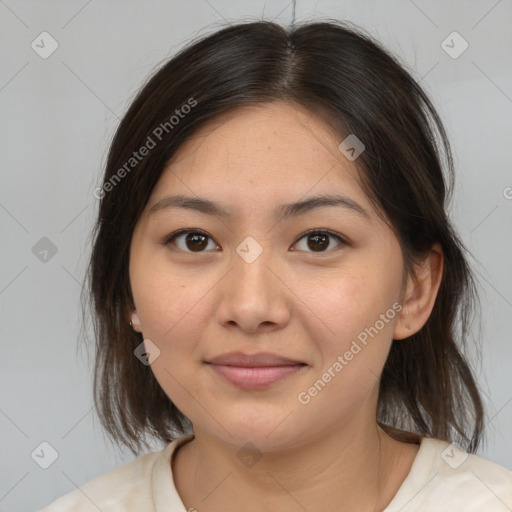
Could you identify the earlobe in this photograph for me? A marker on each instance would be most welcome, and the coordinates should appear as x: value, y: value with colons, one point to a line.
x: 420, y: 294
x: 135, y: 322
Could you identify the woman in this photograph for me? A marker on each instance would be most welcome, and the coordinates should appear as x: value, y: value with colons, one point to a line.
x: 278, y: 293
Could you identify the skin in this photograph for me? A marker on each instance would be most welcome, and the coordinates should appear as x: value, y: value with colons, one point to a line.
x: 328, y: 454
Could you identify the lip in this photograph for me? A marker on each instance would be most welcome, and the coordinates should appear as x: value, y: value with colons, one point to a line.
x: 254, y: 371
x: 261, y: 359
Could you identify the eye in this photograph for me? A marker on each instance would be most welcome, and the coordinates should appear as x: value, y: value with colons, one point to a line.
x: 196, y: 240
x: 320, y: 240
x: 191, y: 240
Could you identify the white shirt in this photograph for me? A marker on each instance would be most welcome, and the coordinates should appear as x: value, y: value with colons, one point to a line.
x: 442, y: 479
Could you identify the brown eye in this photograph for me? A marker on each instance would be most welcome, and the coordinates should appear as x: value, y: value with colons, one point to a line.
x: 196, y: 241
x: 191, y: 241
x: 320, y: 241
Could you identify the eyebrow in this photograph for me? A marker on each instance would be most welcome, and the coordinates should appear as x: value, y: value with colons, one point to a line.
x: 282, y: 212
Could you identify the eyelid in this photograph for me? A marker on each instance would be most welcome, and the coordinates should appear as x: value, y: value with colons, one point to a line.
x: 342, y: 240
x: 182, y: 231
x: 322, y: 231
x: 175, y: 234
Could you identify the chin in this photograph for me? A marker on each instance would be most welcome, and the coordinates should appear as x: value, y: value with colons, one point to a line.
x: 266, y: 433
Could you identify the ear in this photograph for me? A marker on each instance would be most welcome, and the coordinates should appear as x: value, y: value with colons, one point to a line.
x: 420, y: 294
x: 136, y: 325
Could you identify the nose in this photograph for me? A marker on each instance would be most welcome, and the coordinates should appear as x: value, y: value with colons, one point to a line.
x: 254, y: 296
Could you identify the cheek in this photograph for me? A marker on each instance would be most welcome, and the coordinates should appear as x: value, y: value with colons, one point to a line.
x: 353, y: 348
x: 173, y: 317
x: 350, y: 308
x: 166, y: 302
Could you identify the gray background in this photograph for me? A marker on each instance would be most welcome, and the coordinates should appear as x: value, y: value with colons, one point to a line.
x: 58, y: 115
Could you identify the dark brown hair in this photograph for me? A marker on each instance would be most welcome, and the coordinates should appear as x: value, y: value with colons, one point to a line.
x: 342, y: 75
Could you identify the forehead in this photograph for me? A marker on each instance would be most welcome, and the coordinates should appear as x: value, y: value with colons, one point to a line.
x: 259, y: 153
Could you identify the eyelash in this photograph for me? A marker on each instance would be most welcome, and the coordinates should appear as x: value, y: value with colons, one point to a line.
x: 172, y: 237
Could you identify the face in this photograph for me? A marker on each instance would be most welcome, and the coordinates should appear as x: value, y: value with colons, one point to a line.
x: 317, y: 286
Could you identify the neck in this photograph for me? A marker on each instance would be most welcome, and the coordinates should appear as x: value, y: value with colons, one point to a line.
x: 347, y: 469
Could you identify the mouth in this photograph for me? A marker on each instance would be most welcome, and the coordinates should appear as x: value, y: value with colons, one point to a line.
x: 256, y: 371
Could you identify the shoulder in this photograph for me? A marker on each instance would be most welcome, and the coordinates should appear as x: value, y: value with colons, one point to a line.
x: 126, y: 488
x: 444, y: 477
